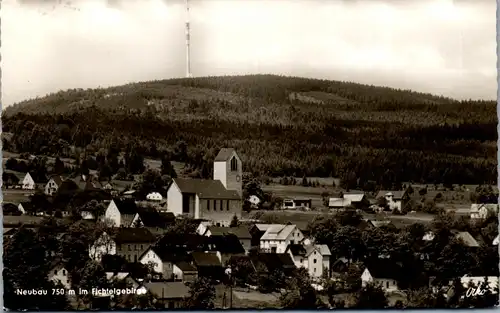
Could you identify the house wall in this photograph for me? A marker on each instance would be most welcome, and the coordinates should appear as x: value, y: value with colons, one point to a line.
x: 51, y: 187
x: 222, y: 172
x: 393, y: 204
x: 152, y: 257
x: 132, y: 251
x: 174, y: 199
x: 315, y: 262
x: 60, y: 275
x: 102, y: 246
x: 184, y: 276
x: 113, y: 214
x: 386, y: 284
x: 28, y: 182
x: 87, y: 215
x: 247, y: 244
x: 230, y: 208
x: 295, y: 237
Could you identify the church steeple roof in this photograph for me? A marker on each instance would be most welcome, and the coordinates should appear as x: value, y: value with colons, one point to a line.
x: 224, y: 154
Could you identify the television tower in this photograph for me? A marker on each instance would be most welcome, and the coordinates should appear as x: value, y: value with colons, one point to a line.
x: 188, y: 39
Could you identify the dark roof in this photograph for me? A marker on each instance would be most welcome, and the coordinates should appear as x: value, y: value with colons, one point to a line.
x: 296, y: 249
x: 185, y: 266
x: 224, y: 154
x: 57, y: 179
x: 166, y: 254
x: 206, y: 188
x: 152, y: 218
x: 383, y: 268
x: 365, y: 224
x: 268, y: 262
x: 168, y: 290
x: 206, y: 259
x: 133, y: 235
x: 227, y: 244
x: 397, y: 194
x: 10, y: 206
x: 126, y: 206
x: 189, y: 242
x: 241, y: 231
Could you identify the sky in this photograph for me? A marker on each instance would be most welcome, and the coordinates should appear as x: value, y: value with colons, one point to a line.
x: 443, y: 47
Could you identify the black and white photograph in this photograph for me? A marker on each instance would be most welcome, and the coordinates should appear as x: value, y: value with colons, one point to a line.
x: 249, y: 154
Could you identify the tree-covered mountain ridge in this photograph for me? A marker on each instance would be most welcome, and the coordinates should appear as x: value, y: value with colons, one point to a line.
x: 281, y: 125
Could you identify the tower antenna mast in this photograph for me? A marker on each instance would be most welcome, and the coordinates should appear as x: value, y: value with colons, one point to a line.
x: 188, y: 46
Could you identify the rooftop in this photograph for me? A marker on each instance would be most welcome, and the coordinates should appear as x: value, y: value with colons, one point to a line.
x: 206, y: 188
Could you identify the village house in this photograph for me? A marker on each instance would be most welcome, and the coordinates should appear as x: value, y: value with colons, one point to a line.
x: 293, y: 204
x: 482, y: 211
x: 208, y: 264
x: 382, y: 272
x: 267, y: 263
x: 226, y: 246
x: 161, y: 260
x: 396, y: 200
x: 338, y: 204
x: 314, y: 258
x: 185, y: 272
x: 241, y: 232
x: 496, y: 240
x: 357, y: 199
x: 53, y: 185
x: 129, y: 243
x: 156, y: 222
x: 59, y: 274
x: 154, y: 197
x: 168, y: 295
x: 121, y: 213
x: 254, y: 201
x: 122, y: 277
x: 218, y: 200
x: 28, y: 183
x: 277, y: 237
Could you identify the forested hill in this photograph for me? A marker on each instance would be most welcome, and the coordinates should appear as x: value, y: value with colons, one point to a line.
x: 280, y: 125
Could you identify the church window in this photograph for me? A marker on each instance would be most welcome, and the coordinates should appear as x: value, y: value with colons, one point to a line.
x: 220, y: 205
x: 227, y: 205
x: 208, y: 205
x: 234, y: 164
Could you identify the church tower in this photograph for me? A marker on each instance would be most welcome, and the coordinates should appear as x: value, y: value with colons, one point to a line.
x: 229, y: 170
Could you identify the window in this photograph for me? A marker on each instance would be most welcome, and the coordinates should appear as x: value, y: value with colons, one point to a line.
x: 55, y: 272
x: 227, y: 205
x: 393, y: 282
x: 135, y: 258
x: 141, y: 247
x: 64, y: 272
x: 387, y: 284
x: 234, y: 164
x: 215, y: 205
x: 208, y: 205
x: 314, y: 270
x: 221, y: 204
x: 314, y: 261
x: 129, y: 249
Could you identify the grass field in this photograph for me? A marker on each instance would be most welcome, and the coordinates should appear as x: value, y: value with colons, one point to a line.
x: 15, y: 195
x: 243, y: 299
x: 290, y: 191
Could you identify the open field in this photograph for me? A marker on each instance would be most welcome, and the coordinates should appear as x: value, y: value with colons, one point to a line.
x: 301, y: 219
x: 293, y: 192
x: 243, y: 299
x: 15, y: 195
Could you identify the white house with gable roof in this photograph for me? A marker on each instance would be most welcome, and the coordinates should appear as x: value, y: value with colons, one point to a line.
x: 277, y: 237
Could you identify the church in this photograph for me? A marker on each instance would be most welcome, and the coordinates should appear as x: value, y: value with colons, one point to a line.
x: 217, y: 200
